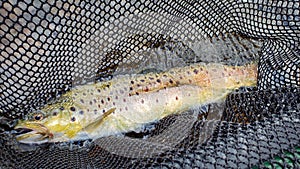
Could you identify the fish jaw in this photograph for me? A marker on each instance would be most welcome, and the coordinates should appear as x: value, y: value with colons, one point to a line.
x: 43, y: 133
x: 39, y: 132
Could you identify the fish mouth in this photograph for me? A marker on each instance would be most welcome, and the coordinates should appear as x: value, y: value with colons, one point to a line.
x: 32, y: 132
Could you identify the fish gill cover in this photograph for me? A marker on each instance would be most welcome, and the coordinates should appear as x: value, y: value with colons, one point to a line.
x: 49, y: 47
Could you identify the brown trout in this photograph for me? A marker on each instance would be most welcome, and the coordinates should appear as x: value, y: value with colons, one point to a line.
x: 128, y: 102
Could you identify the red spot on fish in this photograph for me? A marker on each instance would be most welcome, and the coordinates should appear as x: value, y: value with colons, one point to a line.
x: 50, y: 135
x: 146, y: 89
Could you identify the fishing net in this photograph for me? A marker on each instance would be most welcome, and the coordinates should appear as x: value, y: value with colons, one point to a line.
x: 48, y: 47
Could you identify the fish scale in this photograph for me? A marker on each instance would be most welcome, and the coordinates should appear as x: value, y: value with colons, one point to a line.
x: 127, y: 102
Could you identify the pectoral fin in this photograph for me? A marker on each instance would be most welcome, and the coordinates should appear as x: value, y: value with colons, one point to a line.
x: 95, y: 124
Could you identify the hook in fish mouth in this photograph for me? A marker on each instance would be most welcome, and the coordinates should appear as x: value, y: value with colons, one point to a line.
x: 28, y: 130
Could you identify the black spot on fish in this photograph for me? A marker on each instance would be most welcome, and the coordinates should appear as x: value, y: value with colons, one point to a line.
x: 142, y: 80
x: 137, y: 93
x: 91, y: 102
x: 138, y: 85
x: 196, y: 71
x: 81, y: 100
x: 116, y: 97
x: 156, y: 100
x: 126, y: 108
x: 84, y: 94
x: 132, y: 82
x: 188, y: 72
x: 95, y: 101
x: 150, y: 78
x: 124, y: 100
x: 54, y: 113
x: 114, y: 103
x: 142, y: 101
x: 176, y: 97
x: 130, y: 88
x: 108, y: 99
x: 171, y: 81
x: 61, y: 108
x: 73, y: 119
x: 158, y: 80
x: 95, y: 111
x: 72, y: 108
x: 81, y: 112
x: 103, y: 110
x: 98, y: 90
x: 102, y: 101
x: 99, y: 105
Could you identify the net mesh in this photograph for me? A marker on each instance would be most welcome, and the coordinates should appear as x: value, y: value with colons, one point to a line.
x: 47, y: 47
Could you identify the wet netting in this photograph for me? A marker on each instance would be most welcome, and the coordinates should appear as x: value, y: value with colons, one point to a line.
x: 48, y: 47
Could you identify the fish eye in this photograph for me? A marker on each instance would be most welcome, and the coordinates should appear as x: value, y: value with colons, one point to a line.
x: 38, y: 116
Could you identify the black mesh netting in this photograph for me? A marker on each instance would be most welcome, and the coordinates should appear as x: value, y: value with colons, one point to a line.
x: 47, y: 47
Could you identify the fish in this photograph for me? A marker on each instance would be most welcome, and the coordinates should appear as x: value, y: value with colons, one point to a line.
x: 127, y: 102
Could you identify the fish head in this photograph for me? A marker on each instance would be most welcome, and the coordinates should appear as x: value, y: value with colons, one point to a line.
x: 53, y: 123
